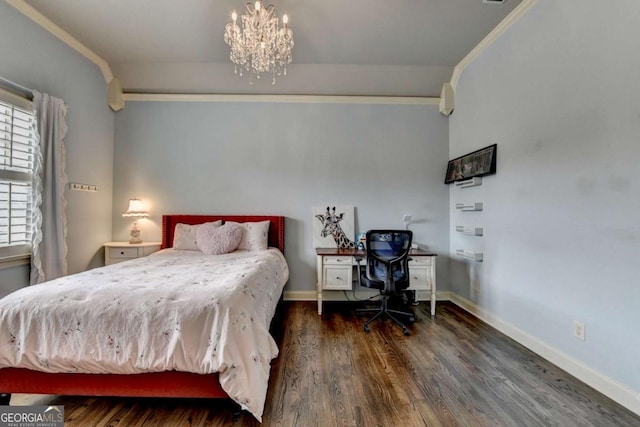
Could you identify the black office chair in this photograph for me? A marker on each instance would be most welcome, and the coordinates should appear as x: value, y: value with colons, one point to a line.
x: 387, y: 269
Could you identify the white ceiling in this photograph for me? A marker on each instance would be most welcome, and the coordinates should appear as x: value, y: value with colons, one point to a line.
x: 374, y: 47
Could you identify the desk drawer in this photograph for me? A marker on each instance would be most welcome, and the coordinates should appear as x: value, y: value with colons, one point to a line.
x: 337, y: 277
x: 418, y: 278
x: 420, y: 260
x: 123, y: 252
x: 338, y: 260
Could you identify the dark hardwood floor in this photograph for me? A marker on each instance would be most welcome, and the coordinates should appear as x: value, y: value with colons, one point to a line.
x: 453, y: 370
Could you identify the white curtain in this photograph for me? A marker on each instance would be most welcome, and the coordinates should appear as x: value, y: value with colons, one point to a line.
x: 49, y: 223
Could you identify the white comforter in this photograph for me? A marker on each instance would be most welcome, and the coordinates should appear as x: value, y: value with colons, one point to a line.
x: 173, y: 310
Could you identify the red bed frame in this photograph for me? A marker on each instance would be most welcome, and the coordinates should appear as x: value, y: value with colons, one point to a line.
x: 155, y: 384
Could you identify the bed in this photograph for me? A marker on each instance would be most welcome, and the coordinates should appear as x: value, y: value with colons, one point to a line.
x: 172, y: 380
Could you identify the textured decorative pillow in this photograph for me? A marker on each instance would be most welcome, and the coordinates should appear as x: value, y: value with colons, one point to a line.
x: 184, y: 236
x: 218, y: 240
x: 255, y: 236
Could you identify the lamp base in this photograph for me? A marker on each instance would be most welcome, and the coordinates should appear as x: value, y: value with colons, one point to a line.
x: 135, y: 234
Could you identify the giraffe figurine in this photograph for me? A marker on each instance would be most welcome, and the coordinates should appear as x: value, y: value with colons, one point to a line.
x: 331, y: 225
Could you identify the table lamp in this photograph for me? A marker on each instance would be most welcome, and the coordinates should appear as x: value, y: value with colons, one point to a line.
x: 135, y: 211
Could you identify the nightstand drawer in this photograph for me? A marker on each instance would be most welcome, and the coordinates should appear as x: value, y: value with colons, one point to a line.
x: 123, y: 252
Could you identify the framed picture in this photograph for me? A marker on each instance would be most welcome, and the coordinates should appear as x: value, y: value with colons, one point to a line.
x: 333, y: 227
x: 479, y: 163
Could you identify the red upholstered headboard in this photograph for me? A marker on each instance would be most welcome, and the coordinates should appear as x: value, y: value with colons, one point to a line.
x: 276, y: 229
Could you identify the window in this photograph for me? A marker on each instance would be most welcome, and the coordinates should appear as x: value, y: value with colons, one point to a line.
x: 17, y: 145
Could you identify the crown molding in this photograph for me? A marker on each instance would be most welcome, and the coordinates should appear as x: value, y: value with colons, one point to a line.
x: 37, y: 17
x: 315, y: 99
x: 40, y: 19
x: 498, y: 31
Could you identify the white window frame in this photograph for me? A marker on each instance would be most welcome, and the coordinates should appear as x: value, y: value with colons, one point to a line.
x: 13, y: 255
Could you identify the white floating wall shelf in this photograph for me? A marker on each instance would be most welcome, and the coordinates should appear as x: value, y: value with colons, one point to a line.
x: 470, y: 231
x: 477, y: 206
x: 473, y: 182
x: 473, y: 256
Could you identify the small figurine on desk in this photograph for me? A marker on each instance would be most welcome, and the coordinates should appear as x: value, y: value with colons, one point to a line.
x: 362, y: 241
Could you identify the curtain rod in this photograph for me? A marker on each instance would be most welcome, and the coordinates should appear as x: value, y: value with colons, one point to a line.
x: 16, y: 88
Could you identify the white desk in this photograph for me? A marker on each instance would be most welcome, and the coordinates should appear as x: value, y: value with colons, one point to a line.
x: 335, y: 272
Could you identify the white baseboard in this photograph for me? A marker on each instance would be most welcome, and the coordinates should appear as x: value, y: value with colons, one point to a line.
x: 339, y: 295
x: 299, y: 295
x: 616, y: 391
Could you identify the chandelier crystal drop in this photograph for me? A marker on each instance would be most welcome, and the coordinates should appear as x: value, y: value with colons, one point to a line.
x: 259, y: 45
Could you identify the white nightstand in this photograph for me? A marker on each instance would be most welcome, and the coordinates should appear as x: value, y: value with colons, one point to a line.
x: 122, y: 251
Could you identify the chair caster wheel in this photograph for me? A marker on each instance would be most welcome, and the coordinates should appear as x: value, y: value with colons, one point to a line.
x: 412, y: 319
x: 366, y: 328
x: 406, y: 332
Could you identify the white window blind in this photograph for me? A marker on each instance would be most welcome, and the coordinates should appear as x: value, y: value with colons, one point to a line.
x: 17, y: 145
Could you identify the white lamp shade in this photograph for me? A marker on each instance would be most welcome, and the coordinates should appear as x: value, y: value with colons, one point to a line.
x: 135, y: 209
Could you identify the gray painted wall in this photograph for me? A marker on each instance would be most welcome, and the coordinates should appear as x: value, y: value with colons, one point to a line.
x: 13, y: 278
x: 285, y: 158
x: 34, y: 58
x: 560, y: 95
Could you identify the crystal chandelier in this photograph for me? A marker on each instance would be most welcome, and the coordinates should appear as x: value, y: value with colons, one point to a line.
x: 258, y: 45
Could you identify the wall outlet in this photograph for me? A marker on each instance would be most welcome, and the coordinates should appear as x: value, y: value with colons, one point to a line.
x: 579, y: 330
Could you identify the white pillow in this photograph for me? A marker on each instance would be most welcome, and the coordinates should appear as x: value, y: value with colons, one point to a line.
x: 255, y: 236
x: 213, y: 240
x: 184, y: 236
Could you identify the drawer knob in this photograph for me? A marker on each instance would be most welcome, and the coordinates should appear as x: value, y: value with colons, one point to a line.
x: 121, y: 252
x: 338, y: 278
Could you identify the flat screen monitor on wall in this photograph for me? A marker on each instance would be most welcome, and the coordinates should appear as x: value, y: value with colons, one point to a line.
x: 478, y: 163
